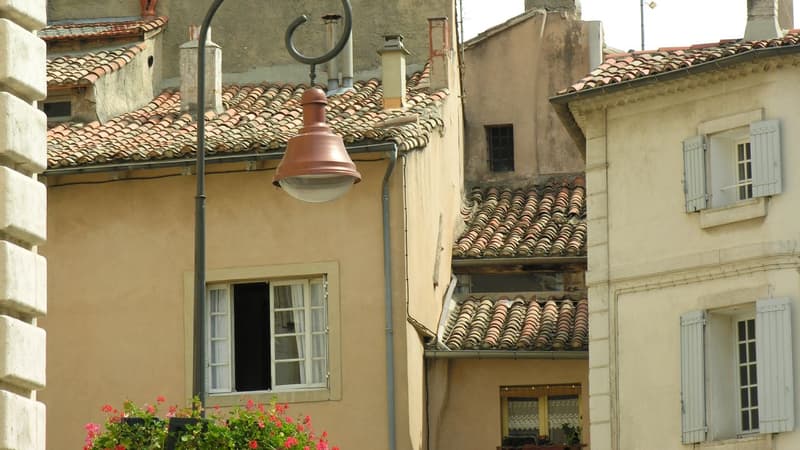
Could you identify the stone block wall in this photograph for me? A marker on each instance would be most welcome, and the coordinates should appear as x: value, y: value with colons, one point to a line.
x: 23, y: 224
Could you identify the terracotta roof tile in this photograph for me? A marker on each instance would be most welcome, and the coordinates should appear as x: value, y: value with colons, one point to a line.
x: 533, y: 324
x: 624, y: 67
x: 102, y: 29
x: 257, y: 118
x: 548, y: 220
x: 83, y: 69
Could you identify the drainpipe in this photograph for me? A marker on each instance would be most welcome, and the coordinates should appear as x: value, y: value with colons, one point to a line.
x: 387, y: 276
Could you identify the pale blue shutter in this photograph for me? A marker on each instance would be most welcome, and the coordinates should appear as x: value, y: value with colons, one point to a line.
x: 694, y: 173
x: 693, y: 391
x: 774, y: 365
x: 765, y: 151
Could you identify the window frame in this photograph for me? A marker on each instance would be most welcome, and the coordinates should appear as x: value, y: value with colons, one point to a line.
x: 492, y: 149
x: 540, y: 392
x: 272, y: 273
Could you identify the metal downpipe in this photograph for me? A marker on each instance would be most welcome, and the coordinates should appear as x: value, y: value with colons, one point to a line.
x: 387, y: 276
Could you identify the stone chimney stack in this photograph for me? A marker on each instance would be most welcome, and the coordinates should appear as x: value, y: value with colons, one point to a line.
x: 188, y: 67
x: 393, y: 68
x: 440, y: 52
x: 786, y: 14
x: 762, y: 20
x: 148, y: 7
x: 331, y: 35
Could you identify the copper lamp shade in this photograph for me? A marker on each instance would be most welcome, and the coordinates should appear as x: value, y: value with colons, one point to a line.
x: 316, y: 167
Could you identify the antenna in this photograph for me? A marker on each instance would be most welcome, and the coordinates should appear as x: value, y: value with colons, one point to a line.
x: 651, y: 5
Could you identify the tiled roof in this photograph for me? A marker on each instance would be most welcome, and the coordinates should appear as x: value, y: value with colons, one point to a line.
x: 101, y: 29
x: 626, y: 67
x: 547, y: 220
x: 484, y: 323
x: 257, y: 118
x: 72, y: 70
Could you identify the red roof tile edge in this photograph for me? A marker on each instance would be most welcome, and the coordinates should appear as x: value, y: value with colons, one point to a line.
x: 107, y: 68
x: 118, y: 29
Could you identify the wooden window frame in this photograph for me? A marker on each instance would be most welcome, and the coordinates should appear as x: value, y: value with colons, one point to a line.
x: 541, y: 393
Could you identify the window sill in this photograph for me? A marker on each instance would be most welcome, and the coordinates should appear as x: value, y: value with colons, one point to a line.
x: 737, y: 212
x: 230, y: 399
x: 755, y: 442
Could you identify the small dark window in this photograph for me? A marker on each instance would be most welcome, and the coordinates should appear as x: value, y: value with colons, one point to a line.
x: 500, y: 143
x: 251, y: 337
x: 58, y: 109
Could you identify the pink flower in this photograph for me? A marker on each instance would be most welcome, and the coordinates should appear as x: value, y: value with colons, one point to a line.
x: 92, y: 429
x: 307, y: 420
x: 306, y: 448
x: 160, y: 399
x: 119, y: 447
x: 300, y: 427
x: 150, y: 409
x: 290, y: 442
x: 261, y: 423
x: 250, y: 405
x: 322, y: 445
x: 107, y: 408
x: 253, y: 444
x: 289, y: 420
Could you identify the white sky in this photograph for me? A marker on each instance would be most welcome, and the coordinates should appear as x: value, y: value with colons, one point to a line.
x: 671, y: 23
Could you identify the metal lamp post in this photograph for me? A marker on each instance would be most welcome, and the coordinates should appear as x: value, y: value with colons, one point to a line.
x: 315, y: 167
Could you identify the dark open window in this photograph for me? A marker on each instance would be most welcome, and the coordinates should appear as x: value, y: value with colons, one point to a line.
x: 58, y: 109
x: 251, y: 337
x: 500, y: 144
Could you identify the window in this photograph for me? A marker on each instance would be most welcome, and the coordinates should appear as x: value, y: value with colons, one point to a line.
x: 725, y: 166
x: 272, y: 332
x: 736, y: 371
x: 540, y: 414
x: 267, y: 336
x: 500, y: 143
x: 60, y: 110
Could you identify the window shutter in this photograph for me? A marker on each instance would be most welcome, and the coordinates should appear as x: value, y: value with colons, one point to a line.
x: 774, y: 365
x: 694, y: 173
x: 693, y: 398
x: 218, y: 339
x: 765, y: 148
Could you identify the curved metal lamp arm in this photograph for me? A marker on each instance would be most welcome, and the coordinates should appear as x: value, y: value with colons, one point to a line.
x: 312, y: 61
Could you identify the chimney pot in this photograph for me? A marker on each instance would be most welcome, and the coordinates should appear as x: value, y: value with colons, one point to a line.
x: 188, y: 69
x: 393, y: 68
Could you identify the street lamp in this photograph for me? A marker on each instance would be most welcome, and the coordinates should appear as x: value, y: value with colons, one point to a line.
x: 315, y: 168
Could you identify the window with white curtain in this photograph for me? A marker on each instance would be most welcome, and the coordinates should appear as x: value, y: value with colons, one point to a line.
x: 269, y: 335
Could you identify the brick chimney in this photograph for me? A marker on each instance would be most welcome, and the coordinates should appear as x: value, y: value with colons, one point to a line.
x: 393, y: 69
x: 188, y: 67
x: 762, y: 20
x: 440, y: 52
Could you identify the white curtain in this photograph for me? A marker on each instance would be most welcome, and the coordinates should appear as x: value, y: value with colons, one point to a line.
x: 299, y: 317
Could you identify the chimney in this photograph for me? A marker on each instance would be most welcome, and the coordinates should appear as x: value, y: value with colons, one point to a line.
x: 346, y: 64
x: 148, y: 7
x: 572, y: 6
x: 762, y: 20
x: 393, y: 68
x: 786, y: 14
x: 188, y: 67
x: 331, y: 35
x: 440, y: 52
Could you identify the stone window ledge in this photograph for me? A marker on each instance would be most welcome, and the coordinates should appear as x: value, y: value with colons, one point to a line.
x: 233, y: 399
x: 756, y: 442
x: 737, y: 212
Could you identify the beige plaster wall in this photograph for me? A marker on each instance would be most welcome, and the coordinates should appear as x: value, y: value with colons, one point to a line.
x: 536, y: 57
x: 650, y: 261
x: 471, y: 418
x: 251, y: 31
x: 119, y: 254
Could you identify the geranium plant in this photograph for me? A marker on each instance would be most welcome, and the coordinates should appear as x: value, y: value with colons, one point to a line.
x: 256, y: 426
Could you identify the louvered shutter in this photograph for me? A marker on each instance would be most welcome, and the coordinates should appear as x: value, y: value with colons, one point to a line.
x: 774, y: 365
x: 693, y: 398
x: 218, y: 339
x: 694, y: 173
x: 765, y: 151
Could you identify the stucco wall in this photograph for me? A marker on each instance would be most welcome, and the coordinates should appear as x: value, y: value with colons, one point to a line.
x: 471, y: 417
x: 650, y: 261
x: 251, y: 31
x: 123, y: 249
x: 536, y: 57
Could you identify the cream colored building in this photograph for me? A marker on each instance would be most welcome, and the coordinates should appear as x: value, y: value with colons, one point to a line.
x: 303, y: 284
x: 691, y: 169
x: 23, y: 279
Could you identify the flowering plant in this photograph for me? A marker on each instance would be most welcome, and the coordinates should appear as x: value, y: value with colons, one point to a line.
x: 256, y: 426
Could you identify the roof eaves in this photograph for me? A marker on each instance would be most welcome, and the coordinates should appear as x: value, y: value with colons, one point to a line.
x: 506, y: 354
x: 718, y: 63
